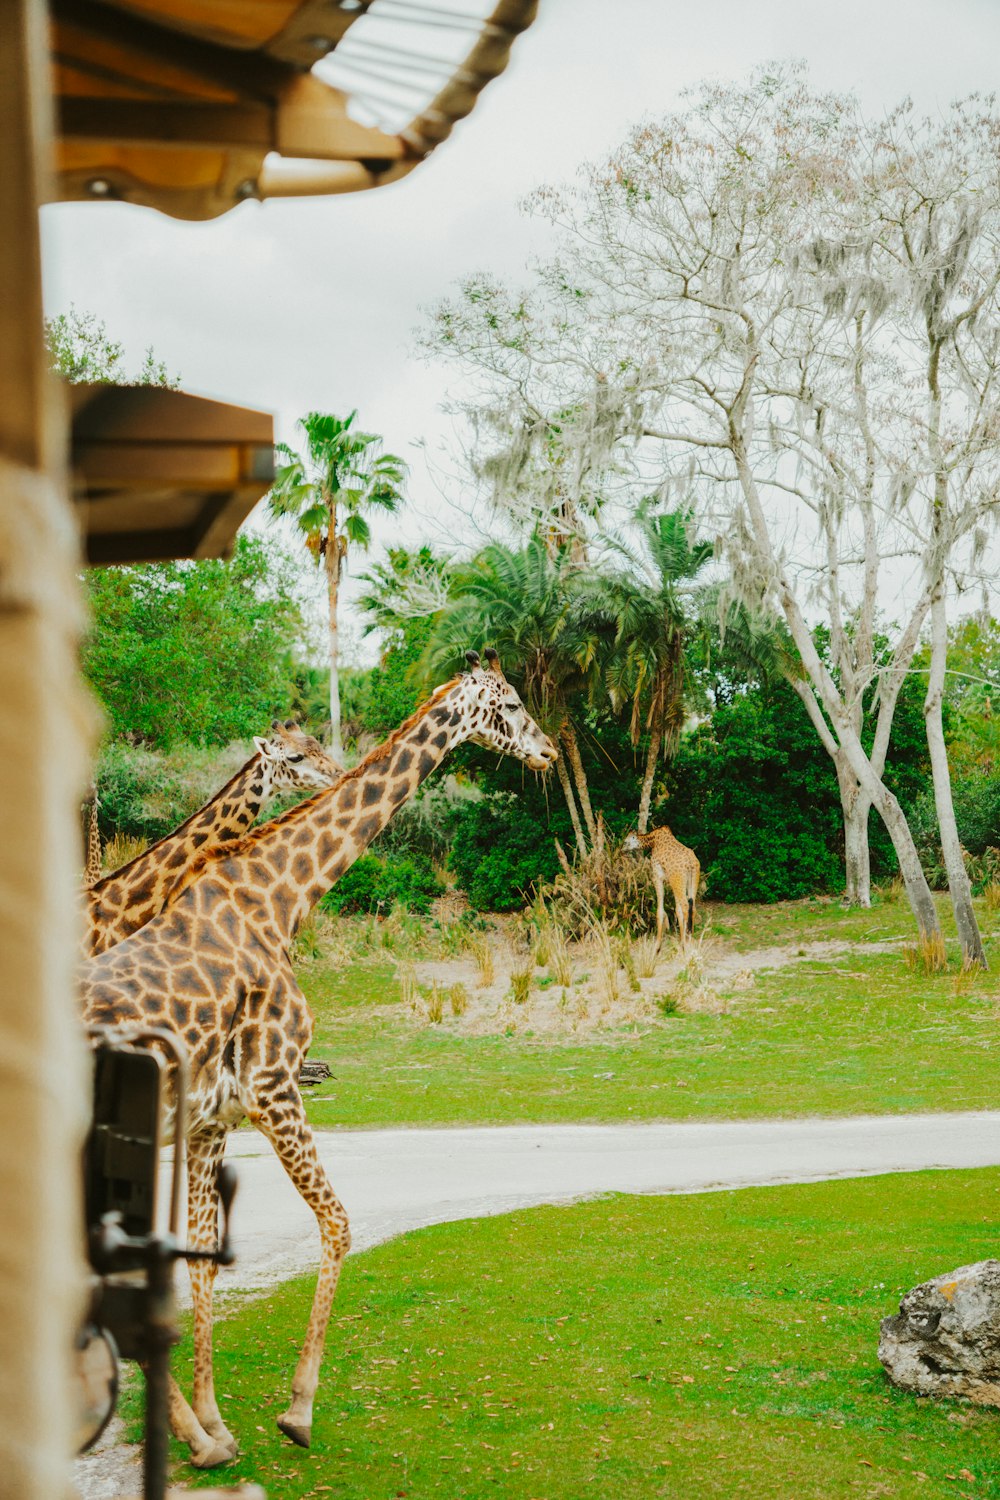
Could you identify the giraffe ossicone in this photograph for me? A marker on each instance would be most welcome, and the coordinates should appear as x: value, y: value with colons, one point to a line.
x: 214, y: 967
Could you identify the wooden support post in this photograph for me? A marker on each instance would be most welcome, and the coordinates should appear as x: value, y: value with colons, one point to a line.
x: 42, y: 1074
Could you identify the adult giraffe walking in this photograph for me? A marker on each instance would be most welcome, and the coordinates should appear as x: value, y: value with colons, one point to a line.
x: 215, y: 968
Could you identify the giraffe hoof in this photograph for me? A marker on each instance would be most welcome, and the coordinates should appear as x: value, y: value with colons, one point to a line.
x: 297, y: 1433
x: 210, y: 1458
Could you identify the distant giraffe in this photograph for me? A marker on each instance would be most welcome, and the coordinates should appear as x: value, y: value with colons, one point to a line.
x: 214, y: 968
x: 131, y: 896
x: 92, y: 872
x: 678, y: 865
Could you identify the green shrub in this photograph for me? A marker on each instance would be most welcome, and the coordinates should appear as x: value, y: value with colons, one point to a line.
x: 499, y: 851
x: 375, y: 884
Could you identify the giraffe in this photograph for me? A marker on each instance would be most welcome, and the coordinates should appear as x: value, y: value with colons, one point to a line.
x: 131, y: 896
x: 674, y: 862
x: 214, y: 967
x: 92, y: 872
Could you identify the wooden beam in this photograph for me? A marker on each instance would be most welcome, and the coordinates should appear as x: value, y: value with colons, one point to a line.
x: 310, y: 122
x: 246, y: 73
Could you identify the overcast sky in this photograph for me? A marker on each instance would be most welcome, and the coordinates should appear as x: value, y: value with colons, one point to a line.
x: 312, y: 305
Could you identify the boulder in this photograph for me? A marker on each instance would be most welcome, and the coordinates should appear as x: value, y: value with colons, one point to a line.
x: 945, y: 1339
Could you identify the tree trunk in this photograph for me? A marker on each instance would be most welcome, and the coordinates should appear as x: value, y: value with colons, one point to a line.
x: 568, y: 736
x: 857, y: 853
x: 332, y: 558
x: 652, y: 755
x: 973, y: 955
x: 885, y: 803
x: 855, y: 806
x: 574, y: 816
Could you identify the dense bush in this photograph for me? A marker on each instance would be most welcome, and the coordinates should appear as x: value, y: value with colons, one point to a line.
x: 755, y: 795
x: 498, y: 853
x: 976, y: 795
x: 193, y: 651
x: 377, y: 884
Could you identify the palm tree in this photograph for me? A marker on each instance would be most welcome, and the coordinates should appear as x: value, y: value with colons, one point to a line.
x: 327, y: 490
x: 647, y: 609
x: 522, y: 602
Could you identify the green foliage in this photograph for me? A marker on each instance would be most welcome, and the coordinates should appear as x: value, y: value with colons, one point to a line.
x: 397, y: 685
x: 755, y: 795
x: 499, y: 853
x: 145, y: 794
x: 194, y: 651
x: 374, y: 884
x: 342, y: 468
x: 82, y: 351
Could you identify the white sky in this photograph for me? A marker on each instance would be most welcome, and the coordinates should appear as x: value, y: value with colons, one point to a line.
x: 297, y: 306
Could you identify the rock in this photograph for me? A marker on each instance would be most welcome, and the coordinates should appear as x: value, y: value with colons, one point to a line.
x: 945, y: 1339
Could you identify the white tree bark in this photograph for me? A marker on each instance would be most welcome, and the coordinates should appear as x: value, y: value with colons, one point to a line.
x: 973, y: 954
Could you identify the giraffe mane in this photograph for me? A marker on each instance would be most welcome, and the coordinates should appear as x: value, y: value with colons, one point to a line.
x: 381, y: 752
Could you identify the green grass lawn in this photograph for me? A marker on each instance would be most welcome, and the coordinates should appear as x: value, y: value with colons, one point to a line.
x: 854, y: 1032
x: 720, y: 1344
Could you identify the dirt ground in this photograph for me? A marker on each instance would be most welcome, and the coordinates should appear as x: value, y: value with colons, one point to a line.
x: 602, y: 987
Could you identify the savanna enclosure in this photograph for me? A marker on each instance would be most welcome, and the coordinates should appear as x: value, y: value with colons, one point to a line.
x: 730, y: 459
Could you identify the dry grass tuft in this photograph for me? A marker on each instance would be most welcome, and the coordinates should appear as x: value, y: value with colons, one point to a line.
x: 927, y: 955
x: 459, y: 997
x: 121, y: 850
x: 992, y: 894
x: 434, y: 1004
x: 644, y: 956
x: 520, y: 984
x: 482, y: 954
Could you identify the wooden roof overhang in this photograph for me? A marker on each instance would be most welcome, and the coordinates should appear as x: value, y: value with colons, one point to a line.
x: 192, y: 106
x: 159, y: 474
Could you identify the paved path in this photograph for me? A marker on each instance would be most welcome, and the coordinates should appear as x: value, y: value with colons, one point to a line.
x: 395, y: 1180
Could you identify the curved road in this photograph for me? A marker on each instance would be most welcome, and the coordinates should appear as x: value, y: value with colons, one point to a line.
x: 395, y: 1180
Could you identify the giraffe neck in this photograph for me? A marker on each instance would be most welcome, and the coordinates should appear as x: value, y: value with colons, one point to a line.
x: 128, y: 898
x: 93, y: 871
x: 291, y: 862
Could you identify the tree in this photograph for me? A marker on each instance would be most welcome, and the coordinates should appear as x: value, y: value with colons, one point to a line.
x: 192, y: 650
x: 82, y: 351
x: 522, y: 601
x: 329, y: 492
x: 692, y: 243
x: 649, y: 610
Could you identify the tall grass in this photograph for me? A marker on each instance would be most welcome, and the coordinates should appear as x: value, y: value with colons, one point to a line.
x: 482, y: 955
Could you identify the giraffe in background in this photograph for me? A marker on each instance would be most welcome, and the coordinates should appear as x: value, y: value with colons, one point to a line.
x: 131, y: 896
x: 214, y: 967
x: 675, y: 863
x: 92, y: 871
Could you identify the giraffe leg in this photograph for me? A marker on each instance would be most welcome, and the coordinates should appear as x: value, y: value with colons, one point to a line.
x: 660, y: 917
x: 204, y: 1156
x: 206, y: 1451
x: 677, y: 886
x: 282, y: 1119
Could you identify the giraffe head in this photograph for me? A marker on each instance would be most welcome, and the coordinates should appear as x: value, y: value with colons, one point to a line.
x: 295, y: 759
x: 496, y: 718
x: 631, y: 842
